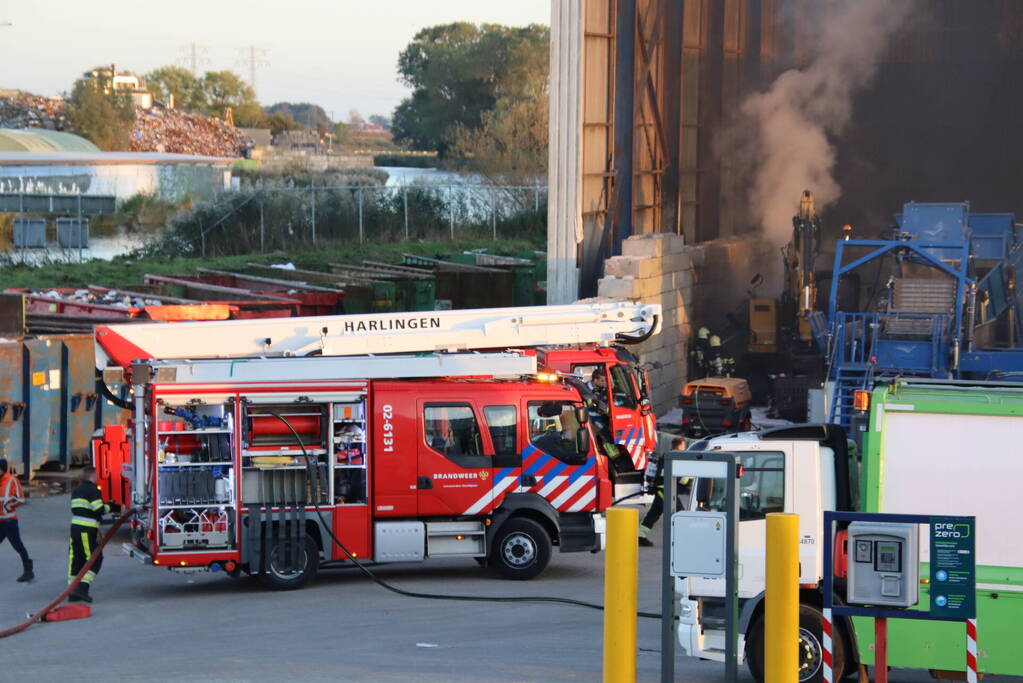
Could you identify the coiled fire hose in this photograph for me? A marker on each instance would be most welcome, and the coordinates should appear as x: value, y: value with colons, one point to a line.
x: 38, y: 616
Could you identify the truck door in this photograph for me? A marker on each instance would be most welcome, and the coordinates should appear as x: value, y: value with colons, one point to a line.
x: 646, y: 411
x: 762, y: 490
x: 454, y: 460
x: 620, y: 396
x: 555, y: 464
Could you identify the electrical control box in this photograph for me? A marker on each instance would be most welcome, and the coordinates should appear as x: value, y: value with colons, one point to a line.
x: 698, y: 544
x: 884, y: 564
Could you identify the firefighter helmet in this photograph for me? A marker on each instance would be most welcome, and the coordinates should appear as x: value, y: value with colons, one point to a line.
x: 715, y: 341
x: 703, y: 333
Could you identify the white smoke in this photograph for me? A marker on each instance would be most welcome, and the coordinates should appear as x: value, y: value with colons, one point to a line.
x: 791, y: 125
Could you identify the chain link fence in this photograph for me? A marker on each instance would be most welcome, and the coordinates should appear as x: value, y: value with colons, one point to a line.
x: 272, y: 217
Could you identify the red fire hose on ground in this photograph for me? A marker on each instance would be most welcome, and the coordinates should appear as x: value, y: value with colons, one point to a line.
x: 38, y: 616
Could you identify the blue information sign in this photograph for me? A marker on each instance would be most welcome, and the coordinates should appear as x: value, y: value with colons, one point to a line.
x: 953, y: 567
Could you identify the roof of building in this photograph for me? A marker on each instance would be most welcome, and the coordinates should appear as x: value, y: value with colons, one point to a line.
x: 40, y: 140
x: 98, y: 158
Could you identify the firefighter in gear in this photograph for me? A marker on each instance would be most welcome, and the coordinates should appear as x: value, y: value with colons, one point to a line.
x: 87, y: 509
x: 594, y: 395
x: 719, y: 365
x: 700, y: 353
x: 11, y: 496
x: 653, y: 482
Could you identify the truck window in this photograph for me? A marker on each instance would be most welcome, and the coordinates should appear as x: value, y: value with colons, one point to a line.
x: 621, y: 388
x: 452, y: 430
x: 501, y: 421
x: 761, y: 489
x: 553, y: 428
x: 641, y: 382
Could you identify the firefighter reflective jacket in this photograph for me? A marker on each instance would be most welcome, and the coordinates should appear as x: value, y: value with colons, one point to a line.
x: 87, y: 506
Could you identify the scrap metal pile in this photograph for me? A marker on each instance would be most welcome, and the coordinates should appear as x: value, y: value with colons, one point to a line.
x: 155, y: 130
x: 24, y: 110
x: 110, y: 297
x: 173, y: 131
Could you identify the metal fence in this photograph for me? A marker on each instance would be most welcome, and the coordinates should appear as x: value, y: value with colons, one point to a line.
x: 366, y: 212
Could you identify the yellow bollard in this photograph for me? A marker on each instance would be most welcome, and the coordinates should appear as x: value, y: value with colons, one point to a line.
x: 781, y: 600
x: 621, y: 576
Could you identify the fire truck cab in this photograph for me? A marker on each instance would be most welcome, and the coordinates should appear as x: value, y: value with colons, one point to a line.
x: 626, y: 395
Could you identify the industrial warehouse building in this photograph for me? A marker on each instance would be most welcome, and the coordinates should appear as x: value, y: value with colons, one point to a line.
x: 50, y: 162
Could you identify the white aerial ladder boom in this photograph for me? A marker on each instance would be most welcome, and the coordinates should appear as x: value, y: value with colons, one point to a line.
x: 386, y: 333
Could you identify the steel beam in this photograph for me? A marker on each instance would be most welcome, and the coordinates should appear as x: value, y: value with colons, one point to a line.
x: 624, y: 123
x: 674, y: 17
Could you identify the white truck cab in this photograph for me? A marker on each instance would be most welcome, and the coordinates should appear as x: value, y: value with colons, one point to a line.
x: 804, y: 470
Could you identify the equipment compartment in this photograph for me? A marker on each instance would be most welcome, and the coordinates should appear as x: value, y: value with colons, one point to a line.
x: 195, y: 488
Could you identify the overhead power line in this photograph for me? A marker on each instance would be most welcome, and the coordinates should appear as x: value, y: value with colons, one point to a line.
x: 255, y: 58
x: 192, y: 55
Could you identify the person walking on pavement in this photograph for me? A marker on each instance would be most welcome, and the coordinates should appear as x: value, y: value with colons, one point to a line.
x: 655, y: 481
x: 87, y: 510
x: 11, y: 497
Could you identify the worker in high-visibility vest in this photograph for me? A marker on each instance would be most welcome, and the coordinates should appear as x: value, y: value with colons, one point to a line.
x: 653, y: 482
x: 11, y: 497
x: 87, y: 510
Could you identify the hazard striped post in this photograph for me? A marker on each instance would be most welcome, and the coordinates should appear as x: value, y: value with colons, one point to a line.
x: 971, y: 651
x: 829, y: 674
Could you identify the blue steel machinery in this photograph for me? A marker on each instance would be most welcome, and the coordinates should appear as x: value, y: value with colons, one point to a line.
x: 944, y: 303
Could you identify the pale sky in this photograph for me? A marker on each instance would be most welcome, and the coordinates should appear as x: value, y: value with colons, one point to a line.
x: 340, y: 54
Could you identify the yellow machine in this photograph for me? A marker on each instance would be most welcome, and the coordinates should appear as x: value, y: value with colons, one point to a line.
x: 763, y: 326
x: 800, y: 291
x: 800, y: 254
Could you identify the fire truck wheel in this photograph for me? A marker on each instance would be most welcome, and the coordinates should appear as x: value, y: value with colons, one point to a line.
x: 282, y: 577
x: 811, y: 650
x: 521, y: 550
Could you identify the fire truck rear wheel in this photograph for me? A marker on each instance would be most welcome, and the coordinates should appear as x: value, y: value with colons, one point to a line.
x: 279, y: 576
x: 521, y: 550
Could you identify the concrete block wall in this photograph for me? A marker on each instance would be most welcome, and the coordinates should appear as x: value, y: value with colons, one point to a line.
x: 657, y: 268
x: 695, y: 285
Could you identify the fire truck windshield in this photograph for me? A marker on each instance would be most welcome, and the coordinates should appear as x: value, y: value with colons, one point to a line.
x: 621, y: 387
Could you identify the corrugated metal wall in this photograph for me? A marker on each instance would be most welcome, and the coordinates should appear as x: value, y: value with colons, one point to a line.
x: 938, y: 122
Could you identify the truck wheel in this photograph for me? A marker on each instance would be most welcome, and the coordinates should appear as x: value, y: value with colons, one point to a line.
x: 521, y: 550
x: 811, y: 649
x: 281, y: 576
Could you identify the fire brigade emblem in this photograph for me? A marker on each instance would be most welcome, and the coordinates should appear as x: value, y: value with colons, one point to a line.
x: 484, y: 474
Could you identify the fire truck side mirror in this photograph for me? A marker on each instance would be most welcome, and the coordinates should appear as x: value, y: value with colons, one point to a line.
x: 582, y: 414
x: 582, y: 441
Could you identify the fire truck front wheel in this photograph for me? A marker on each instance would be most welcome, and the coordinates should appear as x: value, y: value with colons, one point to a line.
x: 521, y: 549
x: 291, y: 570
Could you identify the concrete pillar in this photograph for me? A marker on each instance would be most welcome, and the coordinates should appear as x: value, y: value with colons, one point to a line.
x: 564, y: 209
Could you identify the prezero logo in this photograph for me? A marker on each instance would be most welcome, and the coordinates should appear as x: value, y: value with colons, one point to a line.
x: 950, y: 530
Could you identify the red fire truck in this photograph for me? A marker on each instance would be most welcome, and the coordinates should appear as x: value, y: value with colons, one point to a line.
x: 274, y: 465
x: 628, y: 400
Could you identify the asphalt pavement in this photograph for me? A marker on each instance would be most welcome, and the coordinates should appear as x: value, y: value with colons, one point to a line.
x: 152, y: 624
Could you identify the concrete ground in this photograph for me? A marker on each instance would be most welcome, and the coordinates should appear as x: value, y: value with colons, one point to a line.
x: 152, y: 624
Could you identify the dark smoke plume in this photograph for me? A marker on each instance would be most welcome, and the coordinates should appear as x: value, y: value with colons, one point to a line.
x: 789, y: 128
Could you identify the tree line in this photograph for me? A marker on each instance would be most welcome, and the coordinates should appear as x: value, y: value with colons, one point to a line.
x: 479, y: 99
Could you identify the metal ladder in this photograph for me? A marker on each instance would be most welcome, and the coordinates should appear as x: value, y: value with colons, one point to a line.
x: 847, y: 382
